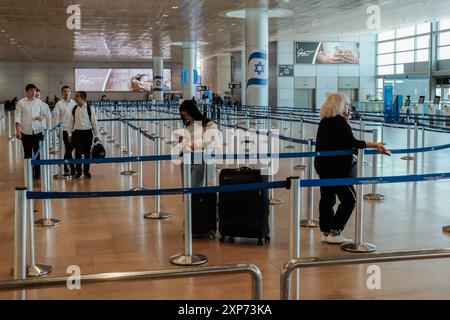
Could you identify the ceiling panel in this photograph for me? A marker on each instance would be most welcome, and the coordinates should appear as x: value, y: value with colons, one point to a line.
x: 135, y: 30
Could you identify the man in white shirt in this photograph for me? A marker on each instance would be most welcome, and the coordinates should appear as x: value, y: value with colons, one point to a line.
x: 82, y: 128
x: 63, y: 112
x: 30, y: 117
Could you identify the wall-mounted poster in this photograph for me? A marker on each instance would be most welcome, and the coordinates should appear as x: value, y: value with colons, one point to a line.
x: 327, y: 53
x: 118, y: 80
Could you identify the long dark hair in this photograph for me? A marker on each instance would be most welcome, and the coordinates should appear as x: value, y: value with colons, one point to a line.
x: 190, y: 107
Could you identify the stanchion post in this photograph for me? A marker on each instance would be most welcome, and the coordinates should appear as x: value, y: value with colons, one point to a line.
x: 60, y: 175
x: 157, y: 214
x: 129, y: 171
x: 20, y: 234
x: 374, y: 195
x: 291, y: 126
x: 408, y: 157
x: 416, y: 145
x: 301, y: 166
x: 294, y: 231
x: 273, y: 201
x: 359, y: 245
x: 188, y: 258
x: 10, y: 135
x: 47, y: 220
x: 33, y: 269
x: 309, y: 222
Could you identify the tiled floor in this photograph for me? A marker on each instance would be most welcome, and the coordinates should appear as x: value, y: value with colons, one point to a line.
x: 110, y: 235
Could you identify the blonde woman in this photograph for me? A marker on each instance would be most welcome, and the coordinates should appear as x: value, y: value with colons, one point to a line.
x: 334, y: 133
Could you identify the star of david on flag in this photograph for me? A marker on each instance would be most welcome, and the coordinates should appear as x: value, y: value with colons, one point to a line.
x: 256, y: 66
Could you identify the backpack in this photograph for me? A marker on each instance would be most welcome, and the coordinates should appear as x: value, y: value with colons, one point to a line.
x: 97, y: 150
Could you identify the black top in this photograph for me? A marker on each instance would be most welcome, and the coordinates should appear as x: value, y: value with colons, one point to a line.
x: 335, y: 134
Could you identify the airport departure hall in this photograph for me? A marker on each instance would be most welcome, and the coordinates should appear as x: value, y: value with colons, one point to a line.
x: 224, y: 150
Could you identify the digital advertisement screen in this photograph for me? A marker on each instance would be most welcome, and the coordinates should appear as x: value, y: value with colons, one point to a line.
x: 118, y: 80
x: 327, y: 53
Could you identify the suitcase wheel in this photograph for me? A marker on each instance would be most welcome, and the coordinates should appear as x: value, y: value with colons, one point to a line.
x: 260, y: 242
x: 211, y: 236
x: 267, y: 239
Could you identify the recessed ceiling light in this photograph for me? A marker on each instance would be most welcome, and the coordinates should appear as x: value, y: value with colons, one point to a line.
x: 165, y: 15
x: 273, y: 13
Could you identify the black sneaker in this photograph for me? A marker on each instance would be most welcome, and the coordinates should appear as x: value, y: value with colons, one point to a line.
x: 87, y: 175
x: 79, y: 176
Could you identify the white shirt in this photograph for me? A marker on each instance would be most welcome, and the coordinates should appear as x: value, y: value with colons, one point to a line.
x: 26, y: 113
x: 82, y: 121
x: 63, y: 112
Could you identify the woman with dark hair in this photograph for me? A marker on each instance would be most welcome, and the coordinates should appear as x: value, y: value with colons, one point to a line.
x: 191, y: 116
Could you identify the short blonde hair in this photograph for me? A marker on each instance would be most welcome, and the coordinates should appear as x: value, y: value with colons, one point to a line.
x: 334, y: 106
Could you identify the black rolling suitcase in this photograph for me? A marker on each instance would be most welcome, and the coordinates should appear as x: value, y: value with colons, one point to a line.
x: 243, y: 214
x: 204, y: 215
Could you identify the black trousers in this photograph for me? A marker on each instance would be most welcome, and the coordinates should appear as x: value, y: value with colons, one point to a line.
x: 329, y: 220
x: 82, y: 142
x: 30, y: 147
x: 68, y: 153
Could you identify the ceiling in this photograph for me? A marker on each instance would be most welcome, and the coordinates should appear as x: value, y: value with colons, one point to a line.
x: 135, y: 30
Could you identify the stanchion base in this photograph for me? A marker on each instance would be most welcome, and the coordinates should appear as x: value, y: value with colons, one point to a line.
x: 46, y: 222
x: 374, y: 196
x: 137, y: 189
x: 128, y: 173
x: 103, y: 133
x: 300, y: 167
x: 275, y: 201
x: 309, y: 223
x: 408, y: 158
x: 446, y: 229
x: 291, y: 146
x: 110, y: 140
x: 61, y: 177
x: 362, y: 247
x: 158, y: 216
x: 39, y: 270
x: 184, y: 260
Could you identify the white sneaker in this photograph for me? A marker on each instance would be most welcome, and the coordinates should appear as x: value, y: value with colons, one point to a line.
x: 337, y: 239
x: 324, y: 238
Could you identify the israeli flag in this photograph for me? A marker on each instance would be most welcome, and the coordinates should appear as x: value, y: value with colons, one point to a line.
x: 158, y: 83
x: 257, y: 69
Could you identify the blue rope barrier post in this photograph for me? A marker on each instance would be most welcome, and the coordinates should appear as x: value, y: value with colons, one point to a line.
x: 291, y: 144
x: 310, y: 222
x: 416, y: 146
x: 156, y: 214
x: 188, y: 258
x: 33, y: 269
x: 102, y: 128
x: 129, y: 171
x: 10, y: 135
x: 273, y: 201
x: 20, y: 234
x: 374, y: 195
x: 408, y: 157
x: 294, y: 230
x: 47, y: 220
x: 140, y: 186
x: 118, y: 141
x: 110, y: 138
x: 60, y: 175
x: 301, y: 166
x: 359, y: 245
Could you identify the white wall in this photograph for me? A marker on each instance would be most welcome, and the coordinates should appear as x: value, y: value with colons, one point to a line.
x: 327, y: 75
x: 50, y: 77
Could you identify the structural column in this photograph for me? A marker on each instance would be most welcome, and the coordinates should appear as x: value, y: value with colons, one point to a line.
x: 257, y: 52
x: 189, y: 67
x: 158, y: 79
